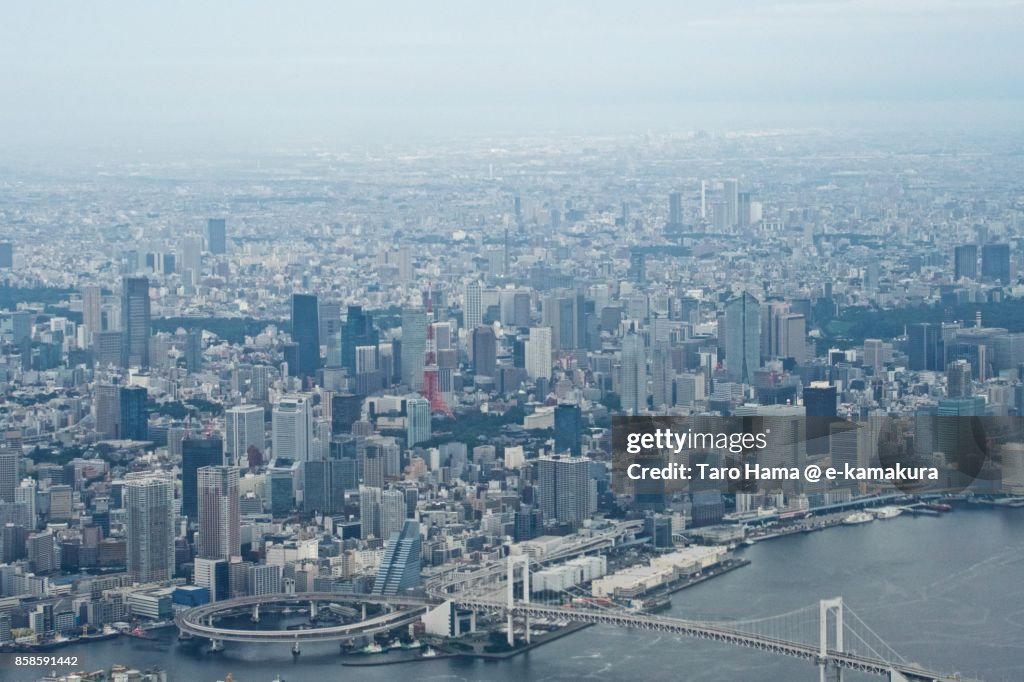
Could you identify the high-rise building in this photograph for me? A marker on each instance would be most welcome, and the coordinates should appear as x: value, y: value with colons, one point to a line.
x: 414, y: 346
x: 742, y: 338
x: 369, y: 511
x: 417, y: 421
x: 633, y: 366
x: 193, y: 350
x: 215, y: 575
x: 958, y: 379
x: 995, y: 262
x: 219, y: 534
x: 6, y: 255
x: 216, y: 236
x: 392, y: 512
x: 662, y: 375
x: 243, y: 428
x: 965, y: 262
x: 924, y: 347
x: 10, y: 463
x: 292, y: 427
x: 399, y: 570
x: 472, y: 308
x: 135, y: 321
x: 730, y: 191
x: 134, y: 419
x: 92, y: 311
x: 195, y: 454
x: 264, y: 579
x: 306, y: 333
x: 569, y: 429
x: 358, y: 331
x: 107, y: 410
x: 675, y: 209
x: 566, y: 492
x: 538, y: 353
x: 149, y: 505
x: 282, y: 491
x: 485, y: 351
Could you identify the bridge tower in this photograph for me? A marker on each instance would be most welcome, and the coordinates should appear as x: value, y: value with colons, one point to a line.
x: 825, y: 608
x: 522, y: 561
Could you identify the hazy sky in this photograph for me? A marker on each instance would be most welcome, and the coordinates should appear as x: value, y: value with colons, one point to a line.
x: 135, y: 71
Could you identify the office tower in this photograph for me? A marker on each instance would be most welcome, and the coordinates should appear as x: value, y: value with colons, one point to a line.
x: 414, y: 347
x: 538, y: 353
x: 193, y: 350
x: 325, y: 483
x: 215, y: 575
x: 790, y: 337
x: 191, y: 258
x: 195, y: 454
x: 264, y: 579
x: 633, y: 367
x: 874, y: 355
x: 330, y: 328
x: 563, y: 315
x: 472, y: 308
x: 24, y: 494
x: 306, y: 333
x: 399, y: 570
x: 10, y: 463
x: 730, y: 191
x: 742, y: 338
x: 42, y: 552
x: 134, y: 418
x: 819, y: 406
x: 995, y: 262
x: 785, y: 429
x: 282, y: 492
x: 107, y: 410
x: 485, y: 351
x: 675, y: 209
x: 418, y: 421
x: 243, y: 429
x: 216, y: 236
x: 292, y: 428
x: 218, y: 512
x: 564, y: 489
x: 638, y: 266
x: 662, y: 375
x: 965, y: 262
x: 149, y: 503
x: 135, y: 321
x: 369, y: 511
x: 569, y: 429
x: 357, y: 331
x: 958, y: 379
x: 743, y: 216
x: 392, y: 513
x: 108, y: 348
x: 92, y: 311
x: 6, y: 255
x: 924, y: 347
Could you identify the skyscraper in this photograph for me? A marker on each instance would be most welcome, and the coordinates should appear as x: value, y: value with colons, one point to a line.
x: 995, y: 262
x: 369, y: 511
x: 292, y: 427
x: 149, y: 503
x: 538, y: 353
x: 135, y: 321
x: 675, y: 209
x: 400, y: 568
x: 924, y: 347
x: 357, y: 331
x: 243, y: 428
x: 195, y: 454
x: 485, y: 349
x: 742, y: 338
x: 9, y: 477
x: 965, y: 262
x: 730, y: 190
x: 92, y: 311
x: 418, y: 421
x: 218, y: 512
x: 633, y: 365
x: 472, y: 309
x: 216, y: 236
x: 568, y: 429
x: 107, y: 410
x: 414, y: 346
x: 306, y: 333
x: 193, y: 350
x: 564, y: 489
x: 392, y: 512
x: 6, y: 255
x: 134, y: 418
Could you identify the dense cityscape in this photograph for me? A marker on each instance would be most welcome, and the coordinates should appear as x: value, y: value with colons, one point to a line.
x: 374, y: 372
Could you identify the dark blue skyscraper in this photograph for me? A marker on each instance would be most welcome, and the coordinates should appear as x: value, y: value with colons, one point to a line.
x: 216, y: 235
x: 195, y: 454
x: 358, y: 330
x: 135, y: 321
x: 400, y: 569
x: 134, y: 419
x: 306, y: 333
x: 995, y: 262
x: 569, y: 429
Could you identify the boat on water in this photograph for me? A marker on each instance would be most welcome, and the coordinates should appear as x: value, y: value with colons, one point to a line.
x: 857, y: 518
x: 371, y: 648
x: 939, y: 507
x: 887, y: 512
x: 394, y: 644
x: 414, y: 644
x: 429, y: 653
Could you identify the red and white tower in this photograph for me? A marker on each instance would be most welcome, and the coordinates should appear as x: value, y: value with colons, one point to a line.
x: 431, y: 381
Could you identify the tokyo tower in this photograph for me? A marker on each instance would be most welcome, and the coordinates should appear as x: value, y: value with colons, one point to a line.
x: 431, y: 380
